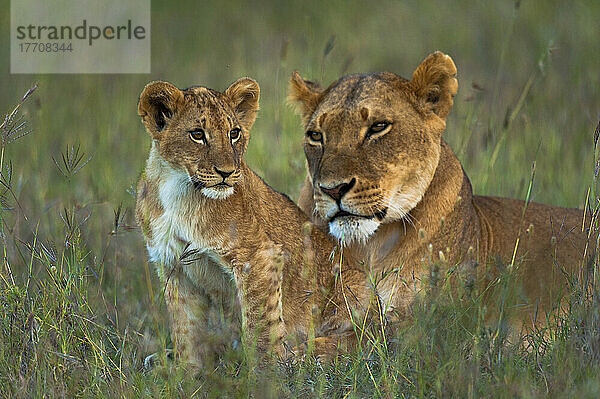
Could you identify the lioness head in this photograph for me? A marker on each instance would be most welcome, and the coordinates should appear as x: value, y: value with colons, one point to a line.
x: 372, y: 142
x: 202, y: 132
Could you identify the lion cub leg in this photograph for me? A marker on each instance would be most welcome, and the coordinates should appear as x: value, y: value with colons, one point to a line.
x: 259, y: 282
x: 188, y: 307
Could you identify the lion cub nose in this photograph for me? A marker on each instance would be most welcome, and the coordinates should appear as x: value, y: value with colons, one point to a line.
x: 340, y: 190
x: 223, y: 173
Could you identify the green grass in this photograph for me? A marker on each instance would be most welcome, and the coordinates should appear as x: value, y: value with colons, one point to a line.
x: 80, y: 306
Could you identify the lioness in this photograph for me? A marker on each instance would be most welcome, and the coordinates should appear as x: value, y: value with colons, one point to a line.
x: 255, y: 252
x: 386, y: 184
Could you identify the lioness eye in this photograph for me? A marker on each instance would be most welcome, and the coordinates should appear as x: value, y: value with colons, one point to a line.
x: 198, y: 136
x: 234, y: 134
x: 377, y: 128
x: 314, y: 136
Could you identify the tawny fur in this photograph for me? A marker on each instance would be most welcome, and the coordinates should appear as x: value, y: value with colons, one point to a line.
x: 256, y: 257
x: 415, y: 202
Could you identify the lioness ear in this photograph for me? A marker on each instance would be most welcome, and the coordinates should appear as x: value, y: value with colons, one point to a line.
x: 435, y: 83
x: 158, y: 102
x: 244, y: 94
x: 304, y: 95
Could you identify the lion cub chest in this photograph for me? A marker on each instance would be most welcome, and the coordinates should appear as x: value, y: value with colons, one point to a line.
x: 173, y: 232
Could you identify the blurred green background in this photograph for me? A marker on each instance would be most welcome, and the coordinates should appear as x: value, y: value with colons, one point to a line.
x: 529, y: 81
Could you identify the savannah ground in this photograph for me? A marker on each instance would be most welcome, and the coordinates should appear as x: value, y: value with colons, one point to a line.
x: 80, y: 306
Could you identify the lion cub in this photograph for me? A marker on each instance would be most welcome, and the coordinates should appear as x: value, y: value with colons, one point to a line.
x: 259, y: 256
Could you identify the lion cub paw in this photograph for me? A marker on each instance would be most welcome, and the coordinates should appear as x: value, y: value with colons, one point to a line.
x: 151, y: 360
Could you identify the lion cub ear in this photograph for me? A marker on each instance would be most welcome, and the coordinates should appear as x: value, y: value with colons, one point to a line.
x: 435, y: 83
x: 304, y: 95
x: 244, y: 94
x: 158, y: 103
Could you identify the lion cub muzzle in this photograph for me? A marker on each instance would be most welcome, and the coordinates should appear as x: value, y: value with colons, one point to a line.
x: 216, y: 184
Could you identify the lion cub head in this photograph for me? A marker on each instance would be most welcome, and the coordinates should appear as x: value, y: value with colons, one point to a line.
x: 373, y: 143
x: 202, y: 132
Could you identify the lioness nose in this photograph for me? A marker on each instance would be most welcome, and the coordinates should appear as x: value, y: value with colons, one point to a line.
x: 340, y: 190
x: 223, y: 173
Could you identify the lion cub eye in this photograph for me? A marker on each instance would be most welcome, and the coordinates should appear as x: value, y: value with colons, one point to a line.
x: 377, y: 127
x: 198, y: 136
x: 234, y: 134
x: 314, y: 136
